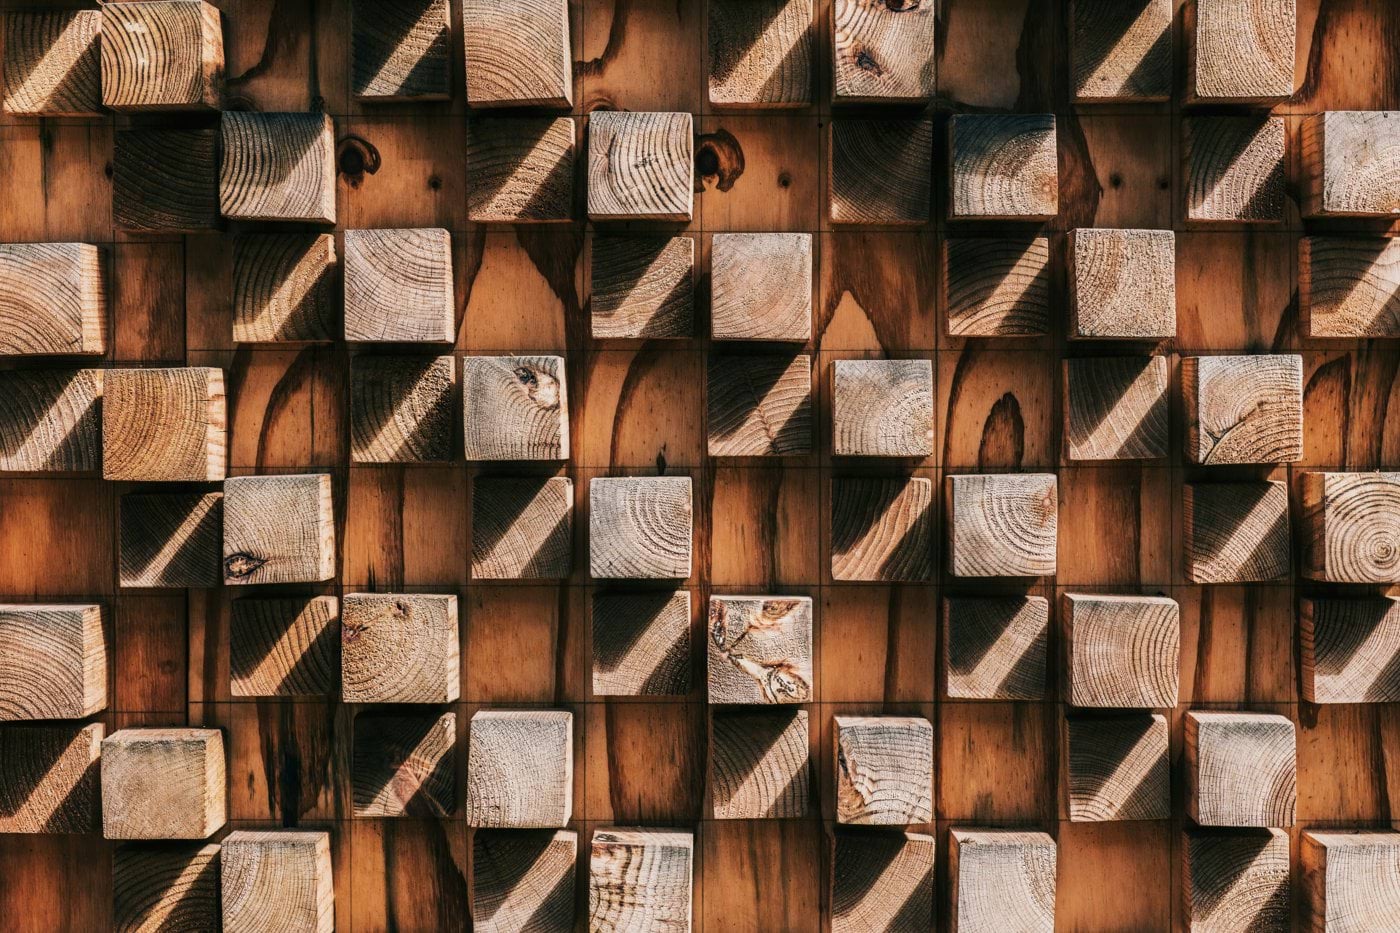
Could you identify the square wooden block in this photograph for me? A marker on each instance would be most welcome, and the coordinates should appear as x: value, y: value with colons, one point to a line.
x: 52, y: 63
x: 759, y: 406
x: 1351, y: 527
x: 288, y: 646
x: 398, y: 286
x: 284, y: 288
x: 163, y: 425
x: 515, y: 408
x: 1241, y: 53
x: 1241, y: 769
x: 883, y: 53
x: 882, y: 529
x: 521, y: 170
x: 518, y: 55
x: 1117, y: 768
x: 1351, y: 881
x: 170, y: 540
x: 400, y: 50
x: 523, y: 880
x: 401, y: 408
x: 640, y: 879
x: 277, y: 166
x: 1121, y: 651
x: 277, y: 878
x: 881, y: 881
x: 1236, y: 880
x: 279, y: 529
x: 159, y: 886
x: 162, y: 55
x: 760, y: 53
x: 1351, y: 164
x: 883, y: 770
x: 994, y: 647
x: 882, y: 408
x: 643, y: 287
x: 404, y: 765
x: 163, y: 783
x: 998, y: 874
x: 53, y: 300
x: 1003, y: 167
x: 399, y: 648
x: 758, y: 765
x: 760, y: 649
x: 897, y: 191
x: 1350, y: 649
x: 1002, y: 525
x: 1349, y: 286
x: 639, y: 527
x: 1116, y: 408
x: 1234, y: 169
x: 1243, y: 409
x: 641, y: 643
x: 53, y: 661
x: 997, y: 287
x: 641, y: 166
x: 1121, y: 50
x: 49, y: 778
x: 761, y: 286
x: 522, y: 529
x: 51, y: 420
x: 1122, y: 284
x: 1236, y: 532
x: 520, y: 769
x: 165, y: 180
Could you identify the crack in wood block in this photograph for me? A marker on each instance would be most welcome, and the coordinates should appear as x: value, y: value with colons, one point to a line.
x: 641, y: 166
x: 758, y: 765
x: 277, y: 879
x: 882, y: 529
x: 163, y: 425
x: 401, y: 408
x: 53, y: 661
x: 520, y: 769
x: 759, y: 406
x: 640, y: 879
x: 639, y: 527
x: 49, y: 778
x: 51, y: 420
x: 1123, y: 284
x: 1241, y: 53
x: 162, y: 55
x: 997, y: 287
x: 1116, y: 408
x: 1349, y: 286
x: 163, y: 784
x: 523, y: 880
x: 994, y: 648
x: 880, y: 171
x: 165, y: 180
x: 641, y: 644
x: 1121, y: 51
x: 278, y: 529
x: 284, y: 647
x: 1236, y: 532
x: 522, y: 529
x: 760, y: 53
x: 515, y: 408
x: 1236, y: 880
x: 643, y: 287
x: 518, y: 54
x: 398, y: 286
x: 1002, y: 525
x: 1243, y: 409
x: 1350, y: 881
x: 1001, y: 880
x: 882, y: 408
x: 881, y: 881
x: 1350, y: 649
x: 170, y: 540
x: 1351, y: 527
x: 1121, y: 651
x: 1351, y: 164
x: 1117, y: 768
x: 159, y: 886
x: 404, y: 765
x: 760, y: 649
x: 1234, y: 169
x: 761, y: 286
x: 277, y: 167
x: 284, y: 288
x: 521, y: 170
x: 883, y: 770
x: 53, y: 300
x: 883, y: 52
x: 399, y: 648
x: 1003, y: 167
x: 1241, y: 769
x: 400, y: 50
x: 52, y: 63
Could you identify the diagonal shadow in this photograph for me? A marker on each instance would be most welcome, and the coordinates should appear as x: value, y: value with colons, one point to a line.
x: 634, y: 258
x: 385, y: 761
x: 1152, y: 72
x: 198, y: 555
x: 512, y: 500
x: 30, y: 754
x: 861, y: 505
x: 623, y: 632
x: 745, y: 28
x: 20, y: 71
x: 1114, y: 739
x: 429, y: 434
x: 41, y: 393
x: 316, y: 669
x: 1109, y: 385
x: 749, y: 738
x: 737, y: 387
x: 502, y: 862
x: 553, y: 185
x: 382, y: 28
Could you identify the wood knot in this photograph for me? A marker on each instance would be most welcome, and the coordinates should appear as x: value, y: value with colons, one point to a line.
x: 718, y: 157
x: 356, y: 157
x: 238, y: 566
x: 902, y: 6
x: 866, y: 62
x: 542, y: 388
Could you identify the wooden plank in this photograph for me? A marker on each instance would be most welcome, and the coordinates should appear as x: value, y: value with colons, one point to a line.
x: 882, y: 529
x: 1123, y: 284
x: 1349, y: 881
x: 881, y: 881
x: 1241, y: 769
x: 520, y: 772
x: 284, y: 288
x: 641, y: 643
x: 883, y: 53
x: 1002, y: 525
x: 288, y: 646
x: 277, y: 879
x: 159, y: 886
x: 278, y: 529
x: 759, y: 406
x: 522, y: 170
x: 518, y: 56
x: 399, y: 648
x: 1234, y: 169
x: 277, y: 167
x: 1003, y: 167
x: 1116, y: 408
x: 1235, y: 532
x: 1121, y: 51
x: 1349, y: 649
x: 53, y: 661
x: 398, y: 286
x: 640, y: 879
x: 401, y: 408
x: 164, y: 425
x: 515, y: 408
x: 760, y: 53
x: 522, y: 529
x: 162, y: 55
x: 170, y: 539
x: 50, y: 420
x: 1349, y: 286
x: 639, y: 527
x: 163, y: 784
x: 523, y: 880
x: 642, y: 287
x: 759, y: 649
x: 1241, y: 54
x: 49, y: 778
x: 883, y: 770
x: 997, y: 287
x: 1001, y: 879
x: 1350, y: 163
x: 896, y: 194
x: 994, y: 648
x: 641, y: 166
x: 761, y: 286
x: 400, y: 50
x: 1236, y: 879
x: 404, y: 765
x: 51, y: 62
x: 1117, y: 768
x: 1121, y: 651
x: 53, y: 299
x: 758, y: 765
x: 1351, y: 527
x: 882, y: 408
x: 1243, y: 409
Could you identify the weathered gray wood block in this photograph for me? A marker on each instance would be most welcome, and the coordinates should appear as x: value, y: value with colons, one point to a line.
x: 1236, y: 880
x: 1351, y: 527
x: 759, y: 406
x: 883, y: 53
x: 760, y: 649
x: 523, y: 880
x: 163, y: 784
x: 277, y: 879
x: 758, y: 765
x: 1121, y: 651
x: 882, y: 408
x: 520, y: 770
x: 1351, y: 163
x: 639, y: 527
x: 1002, y: 525
x: 1234, y: 169
x: 399, y: 648
x: 1349, y: 286
x: 640, y: 879
x: 643, y: 287
x: 1351, y: 881
x: 1116, y: 408
x: 641, y: 166
x: 398, y: 286
x: 277, y: 167
x: 521, y: 170
x: 1003, y: 167
x: 165, y: 180
x: 1241, y: 53
x: 52, y: 63
x: 1241, y: 769
x: 1001, y: 879
x: 163, y: 425
x: 883, y: 770
x: 882, y: 529
x: 159, y: 886
x: 162, y: 55
x: 641, y: 643
x: 1243, y: 409
x: 401, y: 408
x: 400, y: 50
x: 287, y: 646
x: 404, y: 765
x: 1121, y: 50
x: 897, y: 192
x: 170, y: 540
x: 522, y: 528
x: 53, y: 661
x: 50, y: 420
x: 284, y: 288
x: 994, y: 647
x: 1117, y: 768
x: 49, y: 777
x: 1350, y: 649
x: 760, y: 53
x: 761, y: 286
x: 997, y: 287
x: 515, y: 408
x: 53, y: 300
x: 1122, y: 284
x: 279, y: 529
x: 1235, y: 532
x: 881, y: 881
x: 518, y: 55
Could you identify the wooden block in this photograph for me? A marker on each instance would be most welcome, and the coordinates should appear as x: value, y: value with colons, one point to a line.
x: 1243, y: 409
x: 523, y: 880
x: 997, y: 288
x: 277, y: 166
x: 641, y: 644
x: 880, y: 171
x: 516, y: 408
x: 1351, y: 881
x: 883, y: 53
x: 881, y: 881
x: 159, y: 886
x: 1236, y: 532
x: 162, y: 55
x: 522, y: 529
x: 277, y: 879
x: 882, y: 529
x: 401, y: 408
x: 52, y: 63
x: 163, y: 783
x: 1122, y: 284
x: 1121, y: 51
x: 640, y: 879
x: 760, y: 53
x: 518, y: 55
x: 53, y: 661
x: 284, y: 647
x: 1002, y: 525
x: 1003, y: 167
x: 994, y: 648
x: 170, y: 540
x: 1118, y: 768
x: 1349, y: 287
x: 761, y: 286
x: 1121, y: 651
x: 399, y: 648
x: 1241, y: 769
x: 520, y: 771
x: 883, y: 770
x: 1236, y: 880
x: 1350, y: 649
x: 279, y: 529
x: 1351, y: 527
x: 520, y: 170
x: 165, y: 180
x: 50, y: 420
x: 641, y: 166
x: 400, y: 50
x: 1116, y: 408
x: 53, y: 300
x: 758, y: 765
x: 284, y: 288
x: 639, y: 527
x: 1234, y: 169
x: 882, y: 408
x: 1242, y: 53
x: 643, y: 287
x: 398, y: 286
x: 49, y: 778
x: 163, y: 425
x: 1351, y: 164
x: 760, y: 649
x: 1001, y: 880
x: 759, y: 406
x: 405, y: 765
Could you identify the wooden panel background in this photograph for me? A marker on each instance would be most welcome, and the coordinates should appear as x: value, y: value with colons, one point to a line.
x: 636, y: 408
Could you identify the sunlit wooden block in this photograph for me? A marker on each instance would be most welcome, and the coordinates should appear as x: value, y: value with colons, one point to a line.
x: 1122, y: 284
x: 1351, y: 527
x: 1351, y: 881
x: 994, y: 647
x: 1351, y: 164
x: 883, y: 53
x: 761, y: 286
x: 1236, y: 880
x: 518, y: 55
x: 279, y: 529
x: 1003, y: 167
x: 399, y: 648
x: 400, y: 50
x: 882, y: 529
x: 162, y: 55
x: 760, y: 53
x: 404, y: 765
x: 640, y: 879
x: 165, y: 180
x: 160, y: 886
x: 163, y: 425
x: 53, y: 661
x: 284, y: 288
x: 287, y: 646
x: 997, y: 287
x: 1241, y: 53
x: 881, y: 881
x: 1002, y: 525
x: 1121, y: 651
x: 170, y: 539
x: 520, y: 769
x: 1121, y: 50
x: 758, y: 765
x: 759, y: 406
x: 641, y: 166
x: 522, y: 170
x: 50, y: 420
x: 522, y: 528
x: 1349, y: 286
x: 641, y: 643
x: 277, y: 167
x: 52, y: 64
x: 883, y: 770
x: 1236, y: 532
x: 1117, y: 768
x: 398, y: 286
x: 1115, y: 408
x: 163, y: 783
x: 401, y: 408
x: 898, y: 192
x: 643, y: 287
x: 1001, y: 877
x: 1234, y: 169
x: 1241, y: 769
x: 277, y: 879
x: 53, y: 300
x: 515, y: 408
x: 523, y: 880
x: 882, y: 408
x: 1243, y: 409
x: 639, y: 527
x: 1350, y: 649
x: 760, y: 649
x: 49, y: 778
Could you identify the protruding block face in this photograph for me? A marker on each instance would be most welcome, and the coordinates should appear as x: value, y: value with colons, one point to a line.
x: 405, y: 765
x: 158, y: 886
x: 880, y: 171
x: 639, y: 527
x: 162, y: 55
x: 761, y: 286
x: 518, y: 55
x: 882, y: 408
x: 1351, y: 527
x: 522, y: 529
x: 1122, y: 651
x: 1118, y: 768
x: 521, y: 170
x: 1002, y: 525
x: 643, y: 287
x: 1236, y: 880
x: 1243, y: 409
x: 1242, y: 52
x: 641, y: 166
x: 1121, y: 51
x: 163, y: 425
x: 49, y: 778
x: 640, y: 879
x: 53, y: 661
x: 1241, y: 769
x: 1351, y: 881
x: 170, y: 540
x: 1116, y: 408
x: 881, y: 881
x: 882, y: 529
x: 516, y: 408
x: 884, y: 770
x: 1349, y: 287
x: 287, y: 646
x: 400, y: 50
x: 758, y: 765
x: 1003, y: 167
x: 277, y: 879
x: 284, y: 288
x: 760, y: 649
x: 883, y: 53
x: 1236, y: 532
x: 279, y: 529
x: 165, y: 180
x: 51, y: 62
x: 997, y: 288
x: 760, y: 53
x: 1350, y: 649
x: 759, y: 406
x: 53, y: 300
x: 641, y: 644
x: 1351, y: 164
x: 398, y: 286
x: 399, y: 648
x: 277, y: 166
x: 1234, y: 169
x: 163, y: 783
x: 401, y: 408
x: 1123, y: 284
x: 994, y: 647
x: 1000, y: 880
x: 50, y: 420
x: 520, y: 770
x: 523, y: 880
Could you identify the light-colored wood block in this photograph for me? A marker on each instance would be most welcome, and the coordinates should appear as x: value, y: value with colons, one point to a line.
x: 50, y: 420
x: 518, y: 55
x: 520, y: 170
x: 165, y: 180
x: 1117, y: 768
x: 162, y: 55
x: 401, y: 408
x: 994, y: 647
x: 881, y: 881
x: 163, y: 425
x: 288, y: 646
x: 883, y: 53
x: 761, y: 286
x: 883, y: 770
x: 523, y: 880
x: 520, y: 769
x: 898, y: 193
x: 53, y: 661
x: 1001, y: 880
x: 760, y: 53
x: 404, y: 765
x: 1243, y: 409
x: 515, y: 408
x: 641, y: 643
x: 284, y: 288
x: 399, y: 648
x: 53, y: 300
x: 1350, y: 649
x: 1235, y: 880
x: 1002, y: 525
x: 1122, y: 284
x: 277, y: 880
x: 398, y: 286
x: 1241, y: 769
x: 163, y: 783
x: 1121, y: 651
x: 1115, y: 408
x: 997, y: 287
x: 1350, y: 881
x: 49, y: 778
x: 1351, y: 527
x: 1349, y: 286
x: 759, y: 406
x: 640, y: 879
x: 52, y: 63
x: 758, y: 765
x: 1241, y: 52
x: 279, y: 529
x: 641, y: 166
x: 170, y: 540
x: 1003, y: 167
x: 639, y: 527
x: 760, y: 649
x: 1121, y: 50
x: 882, y: 529
x: 277, y: 166
x: 882, y: 408
x: 643, y: 287
x: 400, y: 50
x: 522, y: 528
x: 158, y: 886
x: 1234, y: 169
x: 1235, y: 532
x: 1351, y: 163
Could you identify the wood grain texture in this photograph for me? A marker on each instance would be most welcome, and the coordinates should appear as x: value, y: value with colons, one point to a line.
x: 49, y: 778
x: 881, y: 881
x: 759, y: 649
x: 898, y: 191
x: 277, y: 879
x: 1351, y: 164
x: 1121, y: 651
x: 163, y: 425
x: 1349, y: 286
x: 761, y: 286
x: 402, y: 408
x: 520, y: 772
x: 51, y: 63
x: 1241, y: 769
x: 523, y: 880
x: 1116, y: 408
x: 760, y: 53
x: 1003, y: 167
x: 759, y: 406
x: 1000, y: 880
x: 53, y: 299
x: 1236, y: 880
x: 284, y: 288
x: 883, y: 53
x: 165, y: 180
x: 398, y: 286
x: 1349, y: 649
x: 1122, y: 284
x: 640, y: 879
x: 1234, y: 169
x: 758, y: 765
x: 278, y: 529
x: 400, y: 50
x: 643, y: 287
x: 163, y: 784
x: 882, y: 408
x: 51, y: 420
x: 53, y: 661
x: 287, y: 646
x: 997, y: 287
x: 641, y: 166
x: 1351, y: 527
x: 404, y: 765
x: 522, y: 170
x: 1242, y: 52
x: 1002, y: 525
x: 170, y: 540
x: 518, y: 55
x: 881, y: 529
x: 641, y: 643
x: 1117, y: 768
x: 994, y: 648
x: 883, y: 770
x: 162, y: 55
x: 1349, y: 881
x: 1243, y: 409
x: 399, y: 648
x: 277, y: 167
x: 1121, y: 51
x: 1235, y: 532
x: 159, y: 887
x: 515, y: 408
x: 522, y: 528
x: 639, y: 527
